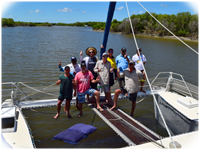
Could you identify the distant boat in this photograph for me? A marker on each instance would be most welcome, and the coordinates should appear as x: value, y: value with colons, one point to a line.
x: 86, y: 25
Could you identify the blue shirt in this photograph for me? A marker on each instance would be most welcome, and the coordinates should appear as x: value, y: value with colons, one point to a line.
x: 122, y: 62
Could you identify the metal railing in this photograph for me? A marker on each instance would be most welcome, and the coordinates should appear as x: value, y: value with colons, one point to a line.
x: 175, y: 82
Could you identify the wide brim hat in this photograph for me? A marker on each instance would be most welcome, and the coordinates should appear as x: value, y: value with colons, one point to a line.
x: 91, y: 48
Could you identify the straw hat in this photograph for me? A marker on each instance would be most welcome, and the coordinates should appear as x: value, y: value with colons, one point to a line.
x: 91, y: 48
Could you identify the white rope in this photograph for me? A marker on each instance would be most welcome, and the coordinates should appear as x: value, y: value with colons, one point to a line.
x: 169, y: 30
x: 37, y: 89
x: 148, y: 79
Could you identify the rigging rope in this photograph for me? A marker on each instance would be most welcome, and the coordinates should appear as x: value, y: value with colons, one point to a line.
x: 169, y: 30
x: 148, y: 78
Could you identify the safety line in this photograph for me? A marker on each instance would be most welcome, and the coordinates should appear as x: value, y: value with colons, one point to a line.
x: 148, y: 79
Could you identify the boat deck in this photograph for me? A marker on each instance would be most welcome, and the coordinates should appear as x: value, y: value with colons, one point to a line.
x: 129, y: 129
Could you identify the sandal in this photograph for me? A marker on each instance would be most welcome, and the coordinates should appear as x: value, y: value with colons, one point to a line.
x: 69, y: 116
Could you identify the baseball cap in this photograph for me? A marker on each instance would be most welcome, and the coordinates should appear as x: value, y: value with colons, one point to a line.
x: 83, y: 63
x: 104, y: 54
x: 73, y: 58
x: 123, y: 49
x: 131, y: 62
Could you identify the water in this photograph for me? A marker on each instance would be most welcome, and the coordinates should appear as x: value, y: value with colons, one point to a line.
x: 32, y: 54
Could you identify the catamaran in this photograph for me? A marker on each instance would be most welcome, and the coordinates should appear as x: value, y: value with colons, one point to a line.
x: 175, y: 105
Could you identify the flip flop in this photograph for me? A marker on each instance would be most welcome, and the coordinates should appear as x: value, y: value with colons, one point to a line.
x: 69, y: 116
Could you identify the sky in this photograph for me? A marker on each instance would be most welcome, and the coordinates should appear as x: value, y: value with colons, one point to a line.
x: 84, y: 11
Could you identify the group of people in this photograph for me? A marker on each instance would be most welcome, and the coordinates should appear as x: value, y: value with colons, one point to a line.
x: 94, y: 76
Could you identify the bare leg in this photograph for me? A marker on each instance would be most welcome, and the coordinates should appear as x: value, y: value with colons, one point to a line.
x: 58, y: 109
x: 97, y: 96
x: 67, y: 105
x: 80, y: 108
x: 117, y: 92
x: 141, y: 89
x: 133, y: 108
x: 77, y: 103
x: 108, y: 97
x: 88, y: 98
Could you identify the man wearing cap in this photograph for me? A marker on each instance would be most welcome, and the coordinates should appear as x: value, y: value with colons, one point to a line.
x: 74, y: 67
x: 132, y: 77
x: 103, y: 68
x: 82, y: 80
x: 138, y: 64
x: 66, y: 90
x: 122, y: 61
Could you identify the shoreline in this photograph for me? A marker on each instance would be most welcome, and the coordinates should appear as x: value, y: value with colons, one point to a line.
x: 156, y: 36
x: 167, y: 37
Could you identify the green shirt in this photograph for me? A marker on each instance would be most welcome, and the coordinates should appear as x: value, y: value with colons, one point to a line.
x: 66, y: 86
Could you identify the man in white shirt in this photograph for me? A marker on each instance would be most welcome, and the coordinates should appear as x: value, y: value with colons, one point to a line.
x: 74, y: 67
x: 139, y: 66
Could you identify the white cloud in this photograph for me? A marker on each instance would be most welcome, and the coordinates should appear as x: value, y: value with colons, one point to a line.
x: 65, y: 10
x: 37, y: 11
x: 120, y: 8
x: 138, y: 12
x: 84, y: 12
x: 9, y: 16
x: 164, y: 5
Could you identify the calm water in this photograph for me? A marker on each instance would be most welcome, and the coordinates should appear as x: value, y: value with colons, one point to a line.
x: 32, y: 54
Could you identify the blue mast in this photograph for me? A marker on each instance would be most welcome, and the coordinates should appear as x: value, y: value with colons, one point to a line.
x: 107, y: 28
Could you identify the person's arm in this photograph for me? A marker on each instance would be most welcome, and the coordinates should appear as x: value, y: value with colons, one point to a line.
x: 61, y: 68
x: 126, y: 56
x: 111, y: 69
x: 74, y: 82
x: 96, y: 68
x: 95, y: 81
x: 74, y: 86
x: 58, y: 82
x: 115, y: 71
x: 118, y: 70
x: 81, y: 57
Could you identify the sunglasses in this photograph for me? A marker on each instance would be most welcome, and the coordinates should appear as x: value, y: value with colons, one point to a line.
x: 91, y: 52
x: 83, y: 66
x: 105, y: 56
x: 110, y: 52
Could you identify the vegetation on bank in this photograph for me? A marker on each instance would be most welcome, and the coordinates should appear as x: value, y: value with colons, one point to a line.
x: 181, y: 24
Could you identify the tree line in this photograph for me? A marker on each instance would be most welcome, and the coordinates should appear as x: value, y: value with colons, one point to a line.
x: 181, y: 24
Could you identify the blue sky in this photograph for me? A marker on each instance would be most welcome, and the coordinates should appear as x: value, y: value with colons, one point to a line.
x: 82, y: 11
